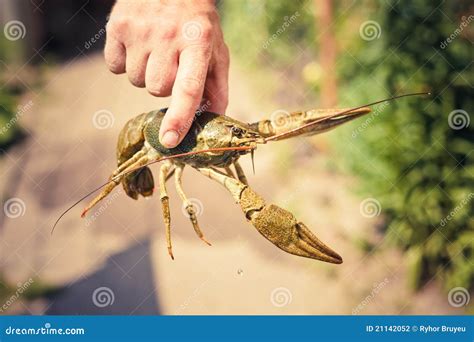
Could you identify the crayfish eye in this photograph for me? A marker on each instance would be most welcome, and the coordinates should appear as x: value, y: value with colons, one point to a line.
x: 238, y: 132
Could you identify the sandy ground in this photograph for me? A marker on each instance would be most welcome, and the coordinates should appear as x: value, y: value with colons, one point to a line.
x: 242, y: 273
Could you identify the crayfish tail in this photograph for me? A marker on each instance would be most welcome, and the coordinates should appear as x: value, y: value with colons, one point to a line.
x: 139, y: 182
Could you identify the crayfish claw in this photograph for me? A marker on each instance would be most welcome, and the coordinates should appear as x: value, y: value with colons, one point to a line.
x: 315, y: 248
x: 276, y: 224
x: 281, y: 228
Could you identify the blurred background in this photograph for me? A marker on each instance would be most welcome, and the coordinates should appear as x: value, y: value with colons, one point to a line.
x: 392, y: 192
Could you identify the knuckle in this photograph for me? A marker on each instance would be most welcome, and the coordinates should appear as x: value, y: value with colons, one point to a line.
x: 158, y: 89
x: 114, y: 63
x: 191, y: 86
x: 206, y: 33
x: 178, y: 124
x: 198, y: 31
x: 154, y: 91
x: 118, y: 26
x: 115, y: 68
x: 144, y: 32
x: 167, y: 32
x: 136, y: 79
x: 159, y: 83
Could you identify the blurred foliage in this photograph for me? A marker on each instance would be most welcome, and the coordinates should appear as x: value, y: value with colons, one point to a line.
x: 409, y: 158
x: 9, y: 130
x: 406, y: 154
x: 292, y: 22
x: 23, y: 292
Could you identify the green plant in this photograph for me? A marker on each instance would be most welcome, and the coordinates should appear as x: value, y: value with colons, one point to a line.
x: 417, y: 157
x: 406, y: 153
x: 9, y: 129
x: 269, y: 28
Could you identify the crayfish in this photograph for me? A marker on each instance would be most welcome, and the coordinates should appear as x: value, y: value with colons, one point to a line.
x: 212, y: 146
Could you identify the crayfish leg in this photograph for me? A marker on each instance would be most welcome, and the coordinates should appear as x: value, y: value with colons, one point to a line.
x: 240, y: 172
x: 187, y: 204
x: 115, y: 180
x: 165, y: 205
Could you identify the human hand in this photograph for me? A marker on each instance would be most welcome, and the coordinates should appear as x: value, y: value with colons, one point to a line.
x: 171, y: 47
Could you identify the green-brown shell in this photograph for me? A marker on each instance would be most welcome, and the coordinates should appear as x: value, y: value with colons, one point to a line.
x: 131, y: 137
x: 207, y: 130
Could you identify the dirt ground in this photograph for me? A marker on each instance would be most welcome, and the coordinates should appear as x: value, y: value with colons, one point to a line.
x: 241, y: 273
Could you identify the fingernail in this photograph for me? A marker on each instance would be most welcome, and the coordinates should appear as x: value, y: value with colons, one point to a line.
x: 170, y: 139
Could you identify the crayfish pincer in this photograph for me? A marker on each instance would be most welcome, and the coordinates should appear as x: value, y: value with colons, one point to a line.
x: 213, y: 146
x: 278, y: 225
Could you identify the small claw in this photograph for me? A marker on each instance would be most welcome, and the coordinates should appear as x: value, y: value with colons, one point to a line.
x: 205, y: 241
x: 192, y: 216
x: 84, y: 212
x: 170, y: 252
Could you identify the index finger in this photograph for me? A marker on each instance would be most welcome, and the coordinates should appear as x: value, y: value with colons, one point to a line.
x: 186, y: 94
